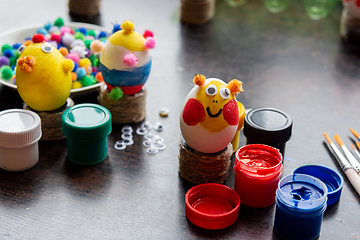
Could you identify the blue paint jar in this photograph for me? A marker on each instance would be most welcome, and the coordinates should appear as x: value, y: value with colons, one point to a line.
x: 300, y: 206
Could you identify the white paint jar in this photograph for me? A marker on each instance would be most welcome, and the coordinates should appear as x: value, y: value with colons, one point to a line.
x: 20, y: 131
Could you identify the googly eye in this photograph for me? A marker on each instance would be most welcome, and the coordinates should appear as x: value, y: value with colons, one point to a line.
x: 148, y: 142
x: 152, y: 150
x: 128, y: 141
x: 225, y: 93
x: 21, y: 49
x: 147, y: 125
x: 126, y: 136
x: 149, y: 135
x: 141, y: 131
x: 119, y: 145
x: 158, y: 127
x: 160, y: 145
x: 127, y: 129
x: 46, y: 47
x: 211, y: 90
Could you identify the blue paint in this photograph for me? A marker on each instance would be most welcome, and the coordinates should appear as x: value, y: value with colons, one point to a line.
x: 127, y: 77
x: 300, y: 205
x: 332, y: 179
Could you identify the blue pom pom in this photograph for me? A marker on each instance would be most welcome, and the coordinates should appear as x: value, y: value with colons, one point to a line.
x: 80, y: 72
x: 8, y: 53
x: 102, y: 34
x: 42, y: 31
x: 16, y: 46
x: 116, y: 28
x: 83, y: 31
x: 47, y: 26
x: 76, y: 65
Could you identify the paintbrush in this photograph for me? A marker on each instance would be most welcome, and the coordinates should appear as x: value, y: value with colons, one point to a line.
x: 345, y: 165
x: 356, y: 151
x: 348, y: 154
x: 355, y: 133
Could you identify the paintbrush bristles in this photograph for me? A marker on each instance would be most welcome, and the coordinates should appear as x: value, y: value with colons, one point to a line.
x: 327, y: 138
x: 355, y: 133
x: 338, y: 140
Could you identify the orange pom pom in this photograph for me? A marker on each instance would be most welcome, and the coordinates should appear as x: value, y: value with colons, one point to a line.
x: 96, y: 46
x: 73, y: 76
x: 235, y: 86
x: 99, y: 77
x: 27, y: 42
x: 199, y: 80
x: 64, y: 51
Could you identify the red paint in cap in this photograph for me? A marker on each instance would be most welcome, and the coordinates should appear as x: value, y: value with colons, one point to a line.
x: 257, y: 169
x: 212, y: 206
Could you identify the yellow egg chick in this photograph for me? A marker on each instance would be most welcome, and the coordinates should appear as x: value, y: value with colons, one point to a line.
x: 43, y: 76
x: 211, y: 116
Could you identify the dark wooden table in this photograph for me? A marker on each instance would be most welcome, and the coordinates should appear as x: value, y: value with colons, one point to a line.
x: 286, y: 61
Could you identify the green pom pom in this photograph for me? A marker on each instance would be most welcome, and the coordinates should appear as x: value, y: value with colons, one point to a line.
x: 91, y: 33
x: 6, y: 72
x: 87, y: 43
x: 5, y: 46
x: 12, y: 61
x: 59, y: 22
x: 17, y: 54
x: 79, y: 35
x: 87, y: 81
x: 116, y: 93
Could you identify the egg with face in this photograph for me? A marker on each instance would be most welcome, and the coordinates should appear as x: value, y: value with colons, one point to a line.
x: 211, y: 115
x: 124, y: 58
x: 43, y: 75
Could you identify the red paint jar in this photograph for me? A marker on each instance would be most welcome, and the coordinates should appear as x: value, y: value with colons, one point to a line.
x: 257, y: 169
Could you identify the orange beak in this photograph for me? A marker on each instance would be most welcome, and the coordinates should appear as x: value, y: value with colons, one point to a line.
x: 26, y: 63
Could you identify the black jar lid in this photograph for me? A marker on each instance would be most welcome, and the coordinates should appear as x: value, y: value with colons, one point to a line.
x: 267, y: 125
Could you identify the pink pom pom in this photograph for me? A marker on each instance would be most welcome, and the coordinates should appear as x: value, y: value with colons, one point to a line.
x: 130, y: 59
x: 74, y: 56
x: 66, y: 29
x: 148, y: 33
x: 149, y: 43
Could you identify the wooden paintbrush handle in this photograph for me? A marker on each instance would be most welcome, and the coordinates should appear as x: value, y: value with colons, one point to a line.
x: 354, y: 179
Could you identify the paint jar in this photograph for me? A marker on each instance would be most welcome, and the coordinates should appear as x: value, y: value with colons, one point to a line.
x: 268, y: 126
x: 86, y: 127
x: 300, y: 205
x: 20, y: 131
x: 257, y: 169
x: 332, y: 179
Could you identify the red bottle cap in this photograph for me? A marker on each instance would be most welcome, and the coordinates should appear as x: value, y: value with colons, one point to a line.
x: 212, y: 206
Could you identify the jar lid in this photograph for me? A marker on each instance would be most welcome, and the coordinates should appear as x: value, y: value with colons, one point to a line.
x: 212, y: 206
x: 19, y: 128
x: 332, y: 179
x: 267, y: 125
x: 86, y: 122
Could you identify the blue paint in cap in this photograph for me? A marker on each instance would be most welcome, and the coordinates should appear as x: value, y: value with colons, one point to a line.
x: 332, y: 179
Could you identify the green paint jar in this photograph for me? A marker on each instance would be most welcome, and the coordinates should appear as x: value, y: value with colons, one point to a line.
x: 86, y: 127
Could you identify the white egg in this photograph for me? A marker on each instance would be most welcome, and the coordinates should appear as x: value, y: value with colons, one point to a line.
x: 212, y: 134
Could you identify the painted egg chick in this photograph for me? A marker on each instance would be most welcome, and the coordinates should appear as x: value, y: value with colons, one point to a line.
x: 211, y: 115
x: 43, y: 75
x: 124, y: 60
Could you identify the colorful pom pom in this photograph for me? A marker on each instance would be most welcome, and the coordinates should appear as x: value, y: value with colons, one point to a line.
x: 102, y: 34
x: 85, y: 63
x: 67, y: 39
x: 149, y: 43
x: 81, y: 72
x: 73, y: 76
x: 5, y: 46
x: 38, y: 38
x: 66, y: 29
x: 199, y: 80
x: 8, y: 53
x: 130, y: 59
x: 68, y: 65
x: 6, y: 72
x: 55, y: 37
x: 116, y: 93
x: 99, y: 77
x: 64, y: 51
x: 74, y: 56
x: 27, y: 42
x: 148, y: 33
x: 4, y: 61
x: 59, y: 22
x: 76, y: 84
x: 116, y: 28
x: 127, y: 26
x: 235, y: 86
x: 96, y: 46
x: 42, y: 31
